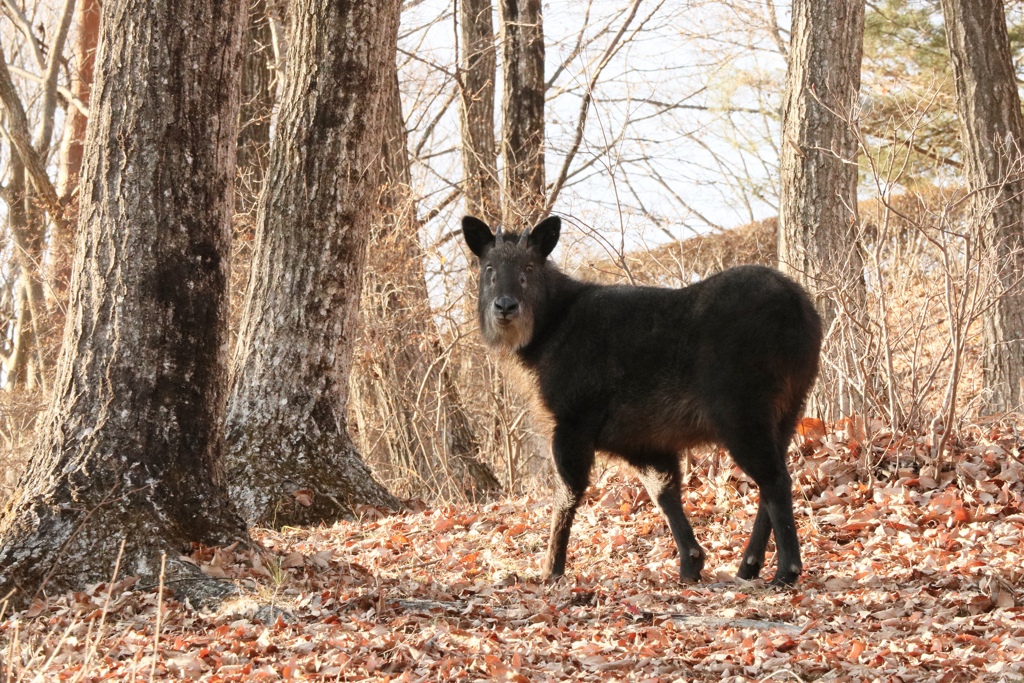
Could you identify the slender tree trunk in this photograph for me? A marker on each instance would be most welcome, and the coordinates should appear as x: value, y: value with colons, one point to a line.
x: 290, y: 458
x: 26, y: 225
x: 129, y: 450
x: 24, y: 365
x: 522, y: 149
x: 40, y: 198
x: 258, y: 88
x: 279, y: 21
x: 87, y: 20
x: 31, y: 331
x: 411, y: 418
x: 22, y: 342
x: 818, y: 224
x: 478, y: 67
x: 16, y: 358
x: 992, y: 129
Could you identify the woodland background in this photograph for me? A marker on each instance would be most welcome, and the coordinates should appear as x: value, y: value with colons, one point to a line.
x: 675, y: 139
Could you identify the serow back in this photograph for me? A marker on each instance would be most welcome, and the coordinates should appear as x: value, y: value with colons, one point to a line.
x: 644, y: 372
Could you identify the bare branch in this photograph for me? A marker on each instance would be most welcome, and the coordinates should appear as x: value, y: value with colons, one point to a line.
x: 441, y: 206
x: 581, y: 122
x: 21, y: 141
x: 429, y: 130
x: 682, y: 202
x: 61, y: 90
x: 24, y: 24
x: 664, y: 107
x: 49, y: 103
x: 575, y: 52
x: 773, y: 28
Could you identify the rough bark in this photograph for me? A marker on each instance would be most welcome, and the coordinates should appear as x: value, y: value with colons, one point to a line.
x: 129, y: 449
x: 818, y: 223
x: 992, y: 130
x: 290, y: 457
x: 87, y: 20
x: 477, y: 67
x: 522, y: 147
x: 412, y: 423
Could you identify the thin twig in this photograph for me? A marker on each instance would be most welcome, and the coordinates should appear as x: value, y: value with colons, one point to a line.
x: 103, y: 617
x: 159, y: 615
x: 49, y: 103
x: 24, y: 24
x: 588, y: 95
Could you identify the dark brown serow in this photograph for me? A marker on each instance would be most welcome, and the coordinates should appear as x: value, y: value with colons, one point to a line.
x: 645, y: 372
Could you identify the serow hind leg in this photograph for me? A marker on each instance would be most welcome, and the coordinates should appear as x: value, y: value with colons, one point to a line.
x: 753, y: 556
x: 662, y: 481
x: 766, y: 465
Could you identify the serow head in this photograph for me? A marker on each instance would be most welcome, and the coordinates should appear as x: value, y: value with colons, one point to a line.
x: 513, y: 278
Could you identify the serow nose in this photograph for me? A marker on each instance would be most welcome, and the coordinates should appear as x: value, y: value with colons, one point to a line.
x: 506, y: 306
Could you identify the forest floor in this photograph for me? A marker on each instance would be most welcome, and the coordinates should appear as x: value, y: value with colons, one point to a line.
x: 906, y: 579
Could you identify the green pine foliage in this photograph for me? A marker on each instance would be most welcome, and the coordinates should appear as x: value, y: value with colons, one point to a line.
x: 908, y: 115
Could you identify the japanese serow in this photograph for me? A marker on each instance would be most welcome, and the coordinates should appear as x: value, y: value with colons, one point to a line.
x: 643, y: 373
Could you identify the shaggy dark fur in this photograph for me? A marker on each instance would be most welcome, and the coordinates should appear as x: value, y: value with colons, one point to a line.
x: 644, y: 372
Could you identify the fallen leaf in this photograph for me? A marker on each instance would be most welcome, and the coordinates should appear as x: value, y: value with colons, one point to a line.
x: 294, y: 559
x: 811, y: 429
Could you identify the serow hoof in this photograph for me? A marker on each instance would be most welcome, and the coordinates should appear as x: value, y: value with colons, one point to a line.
x: 689, y: 571
x: 748, y: 571
x: 549, y: 576
x: 786, y: 578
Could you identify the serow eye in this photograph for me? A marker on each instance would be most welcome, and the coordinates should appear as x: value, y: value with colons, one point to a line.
x: 529, y: 269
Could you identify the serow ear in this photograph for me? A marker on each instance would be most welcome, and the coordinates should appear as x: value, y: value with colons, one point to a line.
x: 478, y: 236
x: 544, y: 235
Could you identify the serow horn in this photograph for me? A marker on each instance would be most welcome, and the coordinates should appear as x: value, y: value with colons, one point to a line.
x: 499, y: 236
x: 524, y: 238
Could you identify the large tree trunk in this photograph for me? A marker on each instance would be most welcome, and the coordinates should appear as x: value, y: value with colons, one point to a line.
x: 818, y: 225
x: 290, y: 458
x: 412, y: 424
x: 478, y: 65
x: 129, y: 450
x: 993, y: 132
x: 522, y: 149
